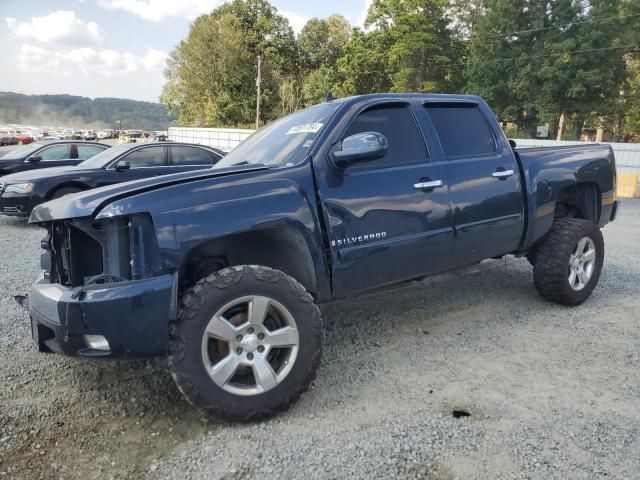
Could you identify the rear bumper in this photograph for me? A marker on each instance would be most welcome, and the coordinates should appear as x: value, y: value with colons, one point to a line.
x: 132, y: 316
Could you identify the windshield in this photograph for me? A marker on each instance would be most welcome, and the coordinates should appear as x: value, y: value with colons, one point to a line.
x: 22, y: 151
x: 105, y: 157
x: 284, y: 142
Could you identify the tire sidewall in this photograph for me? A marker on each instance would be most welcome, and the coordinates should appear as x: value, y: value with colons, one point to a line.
x: 593, y: 232
x: 579, y: 230
x: 185, y: 347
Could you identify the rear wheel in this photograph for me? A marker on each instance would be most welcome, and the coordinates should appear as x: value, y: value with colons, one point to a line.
x: 569, y: 261
x: 246, y: 344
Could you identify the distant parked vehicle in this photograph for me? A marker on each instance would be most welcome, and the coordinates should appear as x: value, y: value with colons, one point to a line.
x: 134, y: 133
x: 160, y: 136
x: 24, y: 138
x: 7, y: 137
x: 88, y: 135
x: 105, y: 133
x: 23, y: 191
x: 37, y: 135
x: 68, y: 134
x: 48, y: 153
x: 53, y: 136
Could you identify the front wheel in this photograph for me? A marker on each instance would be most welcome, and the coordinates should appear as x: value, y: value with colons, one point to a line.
x: 246, y: 344
x: 63, y: 192
x: 569, y: 261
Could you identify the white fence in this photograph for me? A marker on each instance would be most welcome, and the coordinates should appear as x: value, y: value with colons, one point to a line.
x: 223, y: 138
x: 627, y: 154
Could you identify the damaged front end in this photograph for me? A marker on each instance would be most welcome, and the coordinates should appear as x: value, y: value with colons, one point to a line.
x: 82, y: 252
x: 103, y: 291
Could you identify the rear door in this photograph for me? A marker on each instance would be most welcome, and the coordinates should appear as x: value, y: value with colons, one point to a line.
x: 386, y: 224
x: 484, y: 181
x: 183, y: 158
x: 86, y: 151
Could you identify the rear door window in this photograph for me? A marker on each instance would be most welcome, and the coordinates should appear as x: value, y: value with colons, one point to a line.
x: 146, y: 157
x: 191, y: 156
x: 396, y: 123
x: 88, y: 151
x: 462, y: 129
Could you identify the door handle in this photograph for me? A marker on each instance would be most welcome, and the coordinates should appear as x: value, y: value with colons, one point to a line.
x: 503, y: 174
x: 427, y: 185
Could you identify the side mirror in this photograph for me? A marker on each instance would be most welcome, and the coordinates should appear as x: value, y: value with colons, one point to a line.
x: 123, y: 166
x: 36, y: 159
x: 512, y: 143
x: 360, y: 147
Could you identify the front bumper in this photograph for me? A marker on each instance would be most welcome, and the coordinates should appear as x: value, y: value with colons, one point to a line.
x: 16, y: 205
x: 132, y: 316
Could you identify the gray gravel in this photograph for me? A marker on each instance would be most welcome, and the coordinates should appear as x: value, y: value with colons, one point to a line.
x: 552, y: 392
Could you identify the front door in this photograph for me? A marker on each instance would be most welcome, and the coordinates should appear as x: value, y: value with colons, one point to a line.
x: 144, y: 162
x: 388, y: 219
x: 484, y: 182
x: 60, y: 155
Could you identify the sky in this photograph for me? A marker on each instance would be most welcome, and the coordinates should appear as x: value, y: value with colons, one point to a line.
x: 114, y: 48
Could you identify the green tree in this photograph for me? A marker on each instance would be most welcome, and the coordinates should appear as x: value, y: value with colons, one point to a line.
x: 528, y: 59
x: 318, y: 83
x: 211, y: 74
x: 510, y: 86
x: 464, y: 16
x: 423, y: 52
x: 363, y: 66
x: 322, y: 41
x: 632, y: 100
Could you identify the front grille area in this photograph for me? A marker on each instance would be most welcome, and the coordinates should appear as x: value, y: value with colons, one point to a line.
x: 76, y: 255
x: 85, y: 252
x: 1, y: 188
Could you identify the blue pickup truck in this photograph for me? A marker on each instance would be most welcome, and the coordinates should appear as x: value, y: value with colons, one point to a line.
x: 221, y: 270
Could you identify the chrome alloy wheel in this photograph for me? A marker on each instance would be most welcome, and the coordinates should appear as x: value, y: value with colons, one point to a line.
x: 250, y: 345
x: 582, y: 263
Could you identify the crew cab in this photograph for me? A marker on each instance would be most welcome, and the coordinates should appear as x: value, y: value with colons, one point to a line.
x: 221, y: 270
x: 21, y: 192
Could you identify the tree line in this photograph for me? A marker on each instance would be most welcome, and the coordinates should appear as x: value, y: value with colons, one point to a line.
x: 573, y: 64
x: 75, y: 111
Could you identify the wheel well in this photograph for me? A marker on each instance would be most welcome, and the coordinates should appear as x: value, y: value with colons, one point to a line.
x: 581, y: 200
x: 283, y: 249
x: 79, y: 186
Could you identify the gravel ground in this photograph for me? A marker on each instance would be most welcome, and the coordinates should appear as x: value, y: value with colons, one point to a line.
x: 551, y: 392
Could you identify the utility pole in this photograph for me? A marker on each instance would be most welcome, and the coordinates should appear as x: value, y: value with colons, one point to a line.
x: 258, y: 82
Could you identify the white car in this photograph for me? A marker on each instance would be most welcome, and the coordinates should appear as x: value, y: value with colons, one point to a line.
x: 8, y: 137
x: 105, y: 133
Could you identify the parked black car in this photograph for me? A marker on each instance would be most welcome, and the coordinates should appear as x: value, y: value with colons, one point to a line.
x: 20, y: 192
x: 48, y: 153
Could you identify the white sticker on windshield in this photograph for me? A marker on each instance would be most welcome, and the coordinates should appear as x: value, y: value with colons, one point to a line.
x: 305, y: 128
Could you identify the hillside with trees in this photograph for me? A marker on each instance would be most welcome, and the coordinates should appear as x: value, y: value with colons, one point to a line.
x: 573, y: 64
x: 73, y: 111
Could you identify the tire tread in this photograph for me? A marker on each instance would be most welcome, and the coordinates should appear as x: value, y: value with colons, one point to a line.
x: 551, y: 260
x: 190, y: 304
